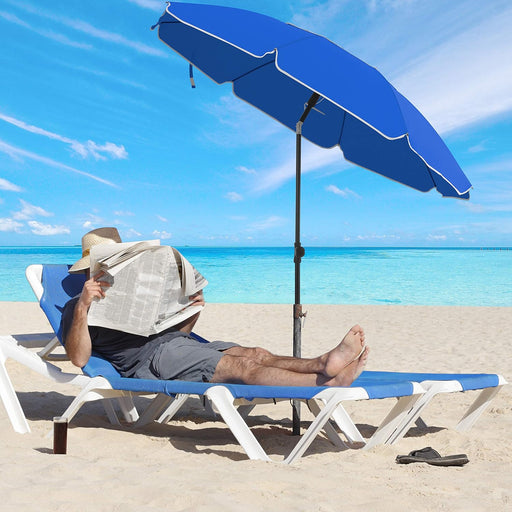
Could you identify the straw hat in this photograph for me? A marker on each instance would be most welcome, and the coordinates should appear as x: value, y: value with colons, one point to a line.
x: 94, y: 237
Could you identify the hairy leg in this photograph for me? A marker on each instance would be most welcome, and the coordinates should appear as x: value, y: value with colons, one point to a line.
x: 338, y: 367
x: 240, y: 369
x: 329, y: 364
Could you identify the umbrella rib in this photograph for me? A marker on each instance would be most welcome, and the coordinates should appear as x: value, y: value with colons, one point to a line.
x: 252, y: 70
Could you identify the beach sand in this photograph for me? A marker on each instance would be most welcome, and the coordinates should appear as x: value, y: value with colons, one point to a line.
x: 194, y: 464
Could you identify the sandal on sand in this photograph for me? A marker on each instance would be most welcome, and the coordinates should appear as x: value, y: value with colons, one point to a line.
x: 431, y: 456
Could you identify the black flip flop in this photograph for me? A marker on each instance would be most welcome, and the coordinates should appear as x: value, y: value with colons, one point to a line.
x: 431, y: 456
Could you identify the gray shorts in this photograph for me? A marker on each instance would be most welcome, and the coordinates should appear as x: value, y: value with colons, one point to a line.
x: 184, y: 358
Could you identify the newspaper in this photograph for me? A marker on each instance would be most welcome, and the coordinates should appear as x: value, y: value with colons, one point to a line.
x: 146, y: 294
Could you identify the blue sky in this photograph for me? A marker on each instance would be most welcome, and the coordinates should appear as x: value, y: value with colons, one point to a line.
x: 99, y: 126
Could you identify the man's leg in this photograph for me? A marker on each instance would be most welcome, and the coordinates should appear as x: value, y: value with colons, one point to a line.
x: 188, y: 325
x: 337, y: 367
x: 328, y: 364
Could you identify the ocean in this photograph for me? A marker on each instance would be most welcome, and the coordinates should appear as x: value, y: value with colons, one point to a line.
x: 406, y: 276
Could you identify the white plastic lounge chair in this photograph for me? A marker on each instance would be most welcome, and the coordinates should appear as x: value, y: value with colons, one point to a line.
x: 54, y: 286
x: 102, y: 381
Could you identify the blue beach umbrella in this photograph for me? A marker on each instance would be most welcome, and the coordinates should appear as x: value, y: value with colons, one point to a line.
x: 318, y: 90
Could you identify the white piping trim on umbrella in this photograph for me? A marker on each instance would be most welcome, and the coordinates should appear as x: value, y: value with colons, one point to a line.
x: 437, y: 172
x: 405, y: 184
x: 276, y: 51
x: 216, y: 37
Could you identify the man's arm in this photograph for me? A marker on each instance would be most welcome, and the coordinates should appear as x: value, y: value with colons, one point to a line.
x: 78, y: 341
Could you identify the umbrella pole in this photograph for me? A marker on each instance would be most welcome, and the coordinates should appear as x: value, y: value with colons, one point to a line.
x: 298, y: 253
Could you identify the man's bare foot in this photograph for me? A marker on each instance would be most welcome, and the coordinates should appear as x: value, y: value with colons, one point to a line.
x: 341, y: 357
x: 352, y: 371
x: 361, y: 362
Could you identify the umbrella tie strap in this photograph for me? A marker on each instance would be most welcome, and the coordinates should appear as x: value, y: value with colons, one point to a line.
x: 191, y: 75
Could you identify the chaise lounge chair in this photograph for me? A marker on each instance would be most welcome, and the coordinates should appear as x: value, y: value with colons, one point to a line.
x: 54, y: 286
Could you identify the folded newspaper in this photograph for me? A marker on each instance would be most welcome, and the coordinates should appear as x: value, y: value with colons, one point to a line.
x: 146, y: 293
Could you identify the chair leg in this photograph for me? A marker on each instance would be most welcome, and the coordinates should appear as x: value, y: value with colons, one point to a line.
x: 329, y: 430
x: 396, y: 423
x: 109, y: 410
x: 309, y: 436
x: 128, y: 408
x: 172, y: 408
x: 433, y: 388
x: 223, y: 401
x: 49, y: 348
x: 97, y: 389
x: 477, y: 408
x: 155, y: 410
x: 347, y: 426
x: 11, y: 402
x: 245, y: 410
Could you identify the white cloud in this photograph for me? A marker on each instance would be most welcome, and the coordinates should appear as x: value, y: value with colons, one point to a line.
x: 131, y: 233
x: 245, y: 170
x: 49, y: 34
x: 29, y: 211
x: 465, y: 79
x: 377, y: 237
x: 436, y: 237
x: 313, y: 159
x: 499, y: 166
x: 346, y: 192
x: 123, y: 213
x: 269, y: 223
x: 162, y: 235
x: 8, y: 225
x: 89, y: 148
x: 475, y: 207
x: 7, y: 185
x: 46, y: 229
x: 98, y: 151
x: 237, y: 123
x: 162, y: 219
x: 318, y: 15
x: 478, y: 148
x: 92, y: 31
x: 92, y: 221
x: 234, y: 197
x: 104, y: 74
x: 154, y: 5
x: 19, y: 153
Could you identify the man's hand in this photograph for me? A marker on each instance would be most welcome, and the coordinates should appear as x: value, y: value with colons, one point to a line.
x: 93, y: 289
x: 78, y: 341
x: 197, y: 299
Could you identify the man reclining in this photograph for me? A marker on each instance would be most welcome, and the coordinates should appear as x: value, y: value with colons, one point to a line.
x: 174, y: 354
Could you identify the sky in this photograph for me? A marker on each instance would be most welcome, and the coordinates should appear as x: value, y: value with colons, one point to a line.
x: 99, y: 126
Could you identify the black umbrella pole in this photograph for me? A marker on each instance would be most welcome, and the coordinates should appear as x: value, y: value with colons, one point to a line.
x: 298, y: 252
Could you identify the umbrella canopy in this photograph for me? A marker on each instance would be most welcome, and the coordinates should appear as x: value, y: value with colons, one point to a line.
x: 276, y: 67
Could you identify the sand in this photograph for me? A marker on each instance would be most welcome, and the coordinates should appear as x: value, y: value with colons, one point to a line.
x: 193, y: 463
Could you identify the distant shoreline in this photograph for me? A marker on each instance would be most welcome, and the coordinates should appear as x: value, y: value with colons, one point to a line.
x: 331, y: 275
x: 348, y: 247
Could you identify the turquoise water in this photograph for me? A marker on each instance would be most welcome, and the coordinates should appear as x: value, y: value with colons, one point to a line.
x: 462, y: 277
